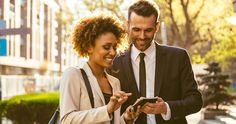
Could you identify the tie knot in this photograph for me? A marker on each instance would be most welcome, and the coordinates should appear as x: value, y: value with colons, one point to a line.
x: 141, y: 55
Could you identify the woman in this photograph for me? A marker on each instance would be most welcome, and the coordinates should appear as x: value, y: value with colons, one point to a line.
x: 95, y: 37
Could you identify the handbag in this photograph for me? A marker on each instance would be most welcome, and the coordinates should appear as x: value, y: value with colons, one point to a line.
x: 55, y: 119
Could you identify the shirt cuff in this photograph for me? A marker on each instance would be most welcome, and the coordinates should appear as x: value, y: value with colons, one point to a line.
x: 167, y: 116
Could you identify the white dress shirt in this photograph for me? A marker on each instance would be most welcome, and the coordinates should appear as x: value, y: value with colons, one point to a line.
x: 150, y: 64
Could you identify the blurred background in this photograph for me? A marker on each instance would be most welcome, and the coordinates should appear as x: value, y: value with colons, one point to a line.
x: 35, y: 42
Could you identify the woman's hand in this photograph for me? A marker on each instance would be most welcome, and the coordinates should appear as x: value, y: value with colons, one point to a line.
x: 130, y: 114
x: 116, y: 100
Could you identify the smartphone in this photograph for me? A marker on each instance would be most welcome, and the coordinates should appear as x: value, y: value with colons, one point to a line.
x: 144, y: 100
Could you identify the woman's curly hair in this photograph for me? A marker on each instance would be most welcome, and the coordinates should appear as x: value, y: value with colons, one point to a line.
x: 88, y: 29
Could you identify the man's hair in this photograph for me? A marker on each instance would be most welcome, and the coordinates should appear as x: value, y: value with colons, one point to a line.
x: 144, y: 8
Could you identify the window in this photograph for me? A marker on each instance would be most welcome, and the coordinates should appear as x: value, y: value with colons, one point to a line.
x: 1, y: 9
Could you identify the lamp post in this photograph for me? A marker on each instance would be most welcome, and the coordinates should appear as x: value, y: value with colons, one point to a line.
x: 163, y: 33
x: 234, y: 4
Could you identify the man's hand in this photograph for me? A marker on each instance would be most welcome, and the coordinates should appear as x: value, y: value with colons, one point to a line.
x: 155, y: 108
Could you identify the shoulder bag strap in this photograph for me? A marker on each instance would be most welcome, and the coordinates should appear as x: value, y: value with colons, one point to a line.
x: 88, y: 86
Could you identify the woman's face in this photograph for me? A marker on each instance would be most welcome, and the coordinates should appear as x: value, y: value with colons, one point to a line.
x: 104, y: 50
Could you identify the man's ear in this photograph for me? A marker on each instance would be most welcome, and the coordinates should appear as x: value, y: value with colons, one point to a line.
x: 158, y: 26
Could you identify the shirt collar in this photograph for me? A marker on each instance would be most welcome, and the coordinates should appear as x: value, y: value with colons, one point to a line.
x: 149, y: 52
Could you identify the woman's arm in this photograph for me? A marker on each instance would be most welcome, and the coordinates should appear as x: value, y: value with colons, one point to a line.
x: 70, y: 100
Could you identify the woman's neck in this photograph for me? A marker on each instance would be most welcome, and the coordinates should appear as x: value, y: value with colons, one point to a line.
x: 96, y: 70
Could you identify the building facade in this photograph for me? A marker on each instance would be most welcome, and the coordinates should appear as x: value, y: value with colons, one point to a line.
x: 32, y: 38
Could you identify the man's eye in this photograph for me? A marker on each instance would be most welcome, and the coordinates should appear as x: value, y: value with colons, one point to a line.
x: 149, y: 30
x: 135, y: 29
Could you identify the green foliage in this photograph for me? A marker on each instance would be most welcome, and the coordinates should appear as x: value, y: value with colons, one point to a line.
x: 216, y: 36
x: 197, y: 59
x: 226, y: 48
x: 30, y: 108
x: 225, y: 53
x: 215, y: 88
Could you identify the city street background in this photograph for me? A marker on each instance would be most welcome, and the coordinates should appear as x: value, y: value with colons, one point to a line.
x: 35, y: 45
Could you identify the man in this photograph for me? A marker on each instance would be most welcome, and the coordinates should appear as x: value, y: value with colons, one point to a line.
x: 161, y: 71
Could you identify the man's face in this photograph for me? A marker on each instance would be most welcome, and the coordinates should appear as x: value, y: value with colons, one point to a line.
x: 141, y: 30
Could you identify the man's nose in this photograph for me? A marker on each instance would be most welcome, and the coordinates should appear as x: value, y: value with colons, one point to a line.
x: 142, y: 35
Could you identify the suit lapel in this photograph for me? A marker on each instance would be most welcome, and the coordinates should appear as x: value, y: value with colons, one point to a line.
x: 160, y: 68
x: 128, y: 69
x: 93, y: 81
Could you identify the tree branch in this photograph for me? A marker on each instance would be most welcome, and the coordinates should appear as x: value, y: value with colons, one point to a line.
x: 175, y: 30
x: 197, y: 13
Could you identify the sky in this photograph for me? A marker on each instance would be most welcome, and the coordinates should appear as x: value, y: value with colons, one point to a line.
x: 77, y: 3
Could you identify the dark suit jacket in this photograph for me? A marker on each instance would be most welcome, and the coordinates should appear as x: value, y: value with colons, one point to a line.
x: 174, y: 82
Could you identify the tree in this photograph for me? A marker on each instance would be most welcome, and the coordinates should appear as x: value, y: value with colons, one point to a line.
x: 110, y: 6
x: 225, y: 53
x: 213, y: 27
x: 182, y: 31
x: 192, y: 24
x: 215, y: 86
x: 196, y: 24
x: 180, y: 34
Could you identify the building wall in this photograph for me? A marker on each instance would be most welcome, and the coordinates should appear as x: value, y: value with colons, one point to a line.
x: 31, y: 34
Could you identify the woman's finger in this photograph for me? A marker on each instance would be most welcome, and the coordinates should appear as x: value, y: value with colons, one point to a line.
x: 123, y: 94
x: 113, y: 98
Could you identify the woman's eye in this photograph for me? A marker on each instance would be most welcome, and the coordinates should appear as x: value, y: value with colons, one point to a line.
x: 114, y: 47
x: 106, y: 47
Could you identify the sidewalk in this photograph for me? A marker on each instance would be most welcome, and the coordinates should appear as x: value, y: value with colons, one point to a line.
x: 197, y: 118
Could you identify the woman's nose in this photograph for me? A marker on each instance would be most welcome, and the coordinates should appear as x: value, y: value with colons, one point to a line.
x: 113, y: 52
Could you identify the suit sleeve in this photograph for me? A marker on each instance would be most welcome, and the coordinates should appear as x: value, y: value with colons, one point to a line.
x: 191, y: 100
x: 70, y: 100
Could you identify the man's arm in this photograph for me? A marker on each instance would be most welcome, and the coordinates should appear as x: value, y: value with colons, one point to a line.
x: 191, y: 100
